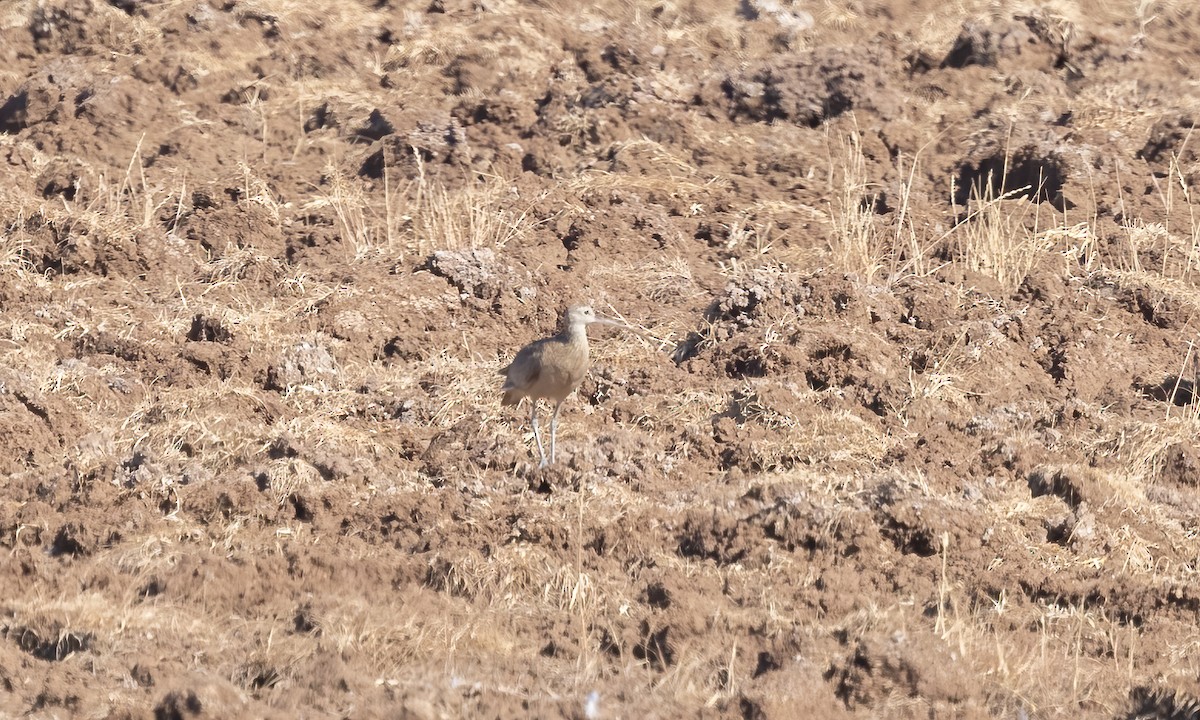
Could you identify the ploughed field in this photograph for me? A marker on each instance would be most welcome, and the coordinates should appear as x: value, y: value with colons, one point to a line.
x: 907, y: 431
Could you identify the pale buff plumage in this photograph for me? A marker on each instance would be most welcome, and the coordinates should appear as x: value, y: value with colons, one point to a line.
x: 551, y: 369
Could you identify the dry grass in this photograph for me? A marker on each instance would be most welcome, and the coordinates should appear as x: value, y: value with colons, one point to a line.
x: 650, y: 167
x: 368, y: 231
x: 862, y: 241
x: 489, y: 213
x: 859, y: 243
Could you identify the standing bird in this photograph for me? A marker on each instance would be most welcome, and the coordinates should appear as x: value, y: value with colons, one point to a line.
x: 552, y: 368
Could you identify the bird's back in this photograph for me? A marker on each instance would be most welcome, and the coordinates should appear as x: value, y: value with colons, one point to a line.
x: 549, y: 368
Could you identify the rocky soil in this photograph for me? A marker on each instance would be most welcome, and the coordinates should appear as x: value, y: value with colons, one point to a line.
x: 909, y: 430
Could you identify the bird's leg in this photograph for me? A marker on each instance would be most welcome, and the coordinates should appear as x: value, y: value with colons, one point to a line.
x: 537, y: 434
x: 554, y: 429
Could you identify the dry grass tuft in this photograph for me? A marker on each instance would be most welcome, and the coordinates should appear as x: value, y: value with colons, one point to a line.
x: 488, y: 213
x: 864, y: 243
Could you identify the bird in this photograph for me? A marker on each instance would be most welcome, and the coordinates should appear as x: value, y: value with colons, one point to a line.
x: 551, y: 369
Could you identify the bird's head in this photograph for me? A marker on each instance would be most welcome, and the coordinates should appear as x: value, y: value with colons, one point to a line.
x: 583, y: 315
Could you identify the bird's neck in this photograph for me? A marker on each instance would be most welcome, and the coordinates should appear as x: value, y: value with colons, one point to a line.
x: 574, y: 334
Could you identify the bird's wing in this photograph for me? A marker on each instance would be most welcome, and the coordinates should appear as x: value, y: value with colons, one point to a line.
x: 523, y: 371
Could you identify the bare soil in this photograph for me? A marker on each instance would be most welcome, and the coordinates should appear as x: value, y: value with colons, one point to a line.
x: 909, y: 433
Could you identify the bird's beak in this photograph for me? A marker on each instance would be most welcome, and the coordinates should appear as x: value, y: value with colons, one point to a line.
x: 623, y: 326
x: 608, y: 321
x: 601, y: 320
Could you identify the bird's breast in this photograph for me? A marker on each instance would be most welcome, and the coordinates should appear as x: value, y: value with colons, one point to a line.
x: 563, y: 368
